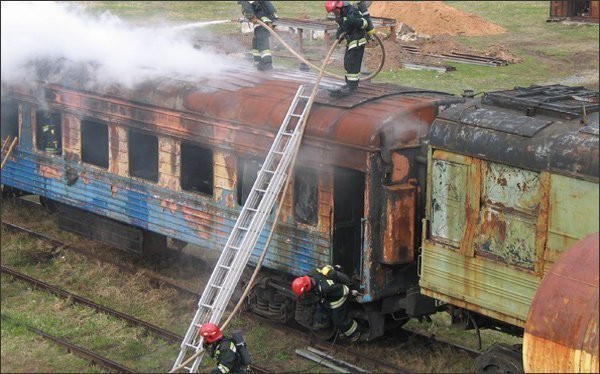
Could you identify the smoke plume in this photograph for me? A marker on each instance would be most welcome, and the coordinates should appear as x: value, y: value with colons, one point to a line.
x: 34, y: 31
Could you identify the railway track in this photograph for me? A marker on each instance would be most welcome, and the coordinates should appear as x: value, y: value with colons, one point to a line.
x: 175, y: 338
x: 92, y: 357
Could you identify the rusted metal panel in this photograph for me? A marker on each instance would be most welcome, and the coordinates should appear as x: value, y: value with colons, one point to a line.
x: 449, y: 199
x: 557, y: 147
x: 168, y: 163
x: 508, y: 216
x: 561, y: 333
x: 573, y: 214
x: 476, y: 283
x: 398, y: 224
x: 559, y: 9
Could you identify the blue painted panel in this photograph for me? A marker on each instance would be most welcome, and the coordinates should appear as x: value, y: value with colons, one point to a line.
x: 134, y: 203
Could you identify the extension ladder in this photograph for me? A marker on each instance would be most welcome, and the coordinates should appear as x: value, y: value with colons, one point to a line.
x: 7, y: 147
x: 269, y: 182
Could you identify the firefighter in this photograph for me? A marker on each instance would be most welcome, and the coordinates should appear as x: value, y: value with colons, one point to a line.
x: 332, y: 288
x: 261, y: 50
x: 351, y: 21
x: 49, y: 138
x: 232, y: 357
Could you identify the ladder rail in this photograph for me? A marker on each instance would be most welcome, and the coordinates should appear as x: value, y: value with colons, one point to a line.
x: 253, y: 216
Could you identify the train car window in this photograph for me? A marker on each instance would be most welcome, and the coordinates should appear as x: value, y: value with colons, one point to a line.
x: 9, y: 125
x: 94, y: 143
x: 448, y: 201
x: 510, y: 202
x: 246, y: 175
x: 196, y: 169
x: 48, y: 132
x: 306, y: 196
x: 143, y: 155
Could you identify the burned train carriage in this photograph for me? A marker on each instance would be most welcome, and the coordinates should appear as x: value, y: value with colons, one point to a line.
x: 513, y: 184
x: 177, y: 159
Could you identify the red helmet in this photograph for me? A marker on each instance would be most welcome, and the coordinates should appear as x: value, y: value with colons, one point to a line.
x: 210, y: 332
x: 301, y: 285
x: 331, y: 5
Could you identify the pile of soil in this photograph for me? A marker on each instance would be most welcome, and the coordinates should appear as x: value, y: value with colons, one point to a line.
x: 434, y: 18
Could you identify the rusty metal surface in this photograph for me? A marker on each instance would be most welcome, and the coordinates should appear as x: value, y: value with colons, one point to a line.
x: 561, y: 332
x: 546, y: 144
x: 399, y: 224
x: 241, y: 96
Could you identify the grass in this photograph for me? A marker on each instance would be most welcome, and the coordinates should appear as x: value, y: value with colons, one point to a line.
x: 132, y: 294
x: 552, y: 53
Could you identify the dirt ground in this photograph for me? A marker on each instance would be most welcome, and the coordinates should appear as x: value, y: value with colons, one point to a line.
x: 434, y: 18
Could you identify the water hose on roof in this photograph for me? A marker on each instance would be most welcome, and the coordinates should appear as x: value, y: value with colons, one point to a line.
x: 301, y: 58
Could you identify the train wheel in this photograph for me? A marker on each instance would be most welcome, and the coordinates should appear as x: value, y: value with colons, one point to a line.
x: 500, y: 358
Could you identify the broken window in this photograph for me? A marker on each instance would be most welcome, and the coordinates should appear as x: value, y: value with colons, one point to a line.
x: 143, y: 155
x: 247, y: 172
x: 196, y: 169
x: 94, y: 143
x: 48, y: 131
x: 306, y: 196
x: 10, y: 119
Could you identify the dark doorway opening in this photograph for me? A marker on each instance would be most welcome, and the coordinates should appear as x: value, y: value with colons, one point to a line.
x: 348, y: 208
x: 247, y: 172
x: 48, y: 132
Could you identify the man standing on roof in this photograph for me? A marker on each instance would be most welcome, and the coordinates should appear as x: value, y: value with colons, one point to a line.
x: 331, y: 286
x: 261, y: 49
x: 351, y: 22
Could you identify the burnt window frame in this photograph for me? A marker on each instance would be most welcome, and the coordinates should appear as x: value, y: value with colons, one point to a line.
x: 57, y: 118
x: 207, y: 168
x: 242, y: 163
x: 90, y: 161
x: 8, y: 128
x: 307, y: 176
x: 129, y: 155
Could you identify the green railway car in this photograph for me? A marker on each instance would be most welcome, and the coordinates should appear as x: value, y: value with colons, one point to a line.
x: 512, y: 184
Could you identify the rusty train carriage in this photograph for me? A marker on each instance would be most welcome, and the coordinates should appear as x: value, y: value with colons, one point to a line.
x: 513, y: 183
x: 175, y: 158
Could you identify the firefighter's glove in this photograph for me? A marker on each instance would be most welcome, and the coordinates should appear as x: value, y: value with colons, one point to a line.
x: 355, y: 293
x: 253, y: 19
x: 370, y: 34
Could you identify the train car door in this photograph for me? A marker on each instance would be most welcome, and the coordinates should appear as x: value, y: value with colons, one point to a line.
x: 348, y: 212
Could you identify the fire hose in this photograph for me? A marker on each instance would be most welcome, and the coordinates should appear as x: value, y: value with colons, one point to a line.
x: 266, y: 246
x: 301, y: 58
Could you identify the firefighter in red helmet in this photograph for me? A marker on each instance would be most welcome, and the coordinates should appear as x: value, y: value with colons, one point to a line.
x: 332, y: 288
x: 351, y: 22
x: 223, y: 349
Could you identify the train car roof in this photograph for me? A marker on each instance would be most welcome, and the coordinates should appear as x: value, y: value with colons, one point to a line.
x: 540, y: 128
x: 243, y: 96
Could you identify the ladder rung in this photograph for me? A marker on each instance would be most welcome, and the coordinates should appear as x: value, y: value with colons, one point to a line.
x: 215, y: 286
x: 260, y: 190
x: 304, y: 97
x: 296, y: 115
x: 207, y: 306
x: 287, y: 133
x: 243, y: 228
x: 269, y: 171
x: 225, y: 267
x: 278, y: 152
x: 252, y: 209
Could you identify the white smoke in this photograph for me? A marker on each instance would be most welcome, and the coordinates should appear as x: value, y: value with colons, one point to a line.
x: 125, y: 54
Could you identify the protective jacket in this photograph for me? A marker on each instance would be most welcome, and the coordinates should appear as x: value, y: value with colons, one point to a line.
x: 227, y: 358
x: 263, y: 10
x: 353, y: 23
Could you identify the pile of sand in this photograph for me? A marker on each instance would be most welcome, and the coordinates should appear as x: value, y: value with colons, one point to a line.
x: 434, y: 18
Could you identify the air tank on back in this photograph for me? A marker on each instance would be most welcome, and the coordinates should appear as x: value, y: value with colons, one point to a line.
x: 561, y: 332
